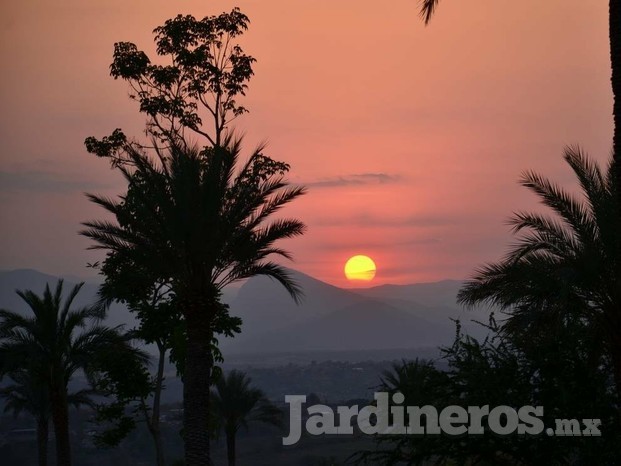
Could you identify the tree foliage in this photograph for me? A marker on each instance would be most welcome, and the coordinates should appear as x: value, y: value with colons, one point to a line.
x: 195, y: 217
x: 563, y: 268
x: 206, y: 72
x: 236, y: 404
x: 555, y: 371
x: 43, y: 352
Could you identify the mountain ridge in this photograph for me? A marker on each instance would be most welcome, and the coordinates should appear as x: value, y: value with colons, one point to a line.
x: 329, y: 318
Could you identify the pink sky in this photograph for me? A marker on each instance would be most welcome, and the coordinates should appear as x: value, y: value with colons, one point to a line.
x: 410, y: 138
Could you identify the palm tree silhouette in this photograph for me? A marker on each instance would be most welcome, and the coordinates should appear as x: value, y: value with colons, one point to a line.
x: 236, y: 404
x: 199, y: 219
x: 45, y: 350
x: 562, y: 267
x: 29, y: 394
x: 412, y: 379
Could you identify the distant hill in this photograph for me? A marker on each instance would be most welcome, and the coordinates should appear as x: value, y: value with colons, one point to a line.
x: 369, y: 324
x: 28, y: 279
x: 264, y: 304
x: 328, y: 319
x: 335, y: 319
x: 435, y: 302
x: 435, y: 294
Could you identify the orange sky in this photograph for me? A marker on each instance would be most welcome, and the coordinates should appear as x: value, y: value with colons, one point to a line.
x: 411, y: 139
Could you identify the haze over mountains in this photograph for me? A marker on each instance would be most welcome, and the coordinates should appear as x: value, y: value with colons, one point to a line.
x: 328, y: 319
x: 331, y: 318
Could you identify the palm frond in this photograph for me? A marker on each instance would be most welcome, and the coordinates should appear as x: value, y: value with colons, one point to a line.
x: 573, y: 213
x: 111, y: 205
x: 564, y: 263
x: 68, y: 302
x: 427, y: 9
x: 268, y: 269
x: 274, y: 204
x: 559, y: 235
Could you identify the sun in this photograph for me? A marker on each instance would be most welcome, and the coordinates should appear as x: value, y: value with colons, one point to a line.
x: 360, y: 268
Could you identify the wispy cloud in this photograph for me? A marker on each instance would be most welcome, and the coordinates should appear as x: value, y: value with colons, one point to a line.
x: 45, y: 181
x: 364, y: 245
x: 355, y: 180
x: 371, y: 220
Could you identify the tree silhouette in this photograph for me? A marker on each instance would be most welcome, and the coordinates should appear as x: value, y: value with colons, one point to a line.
x: 420, y: 383
x: 427, y: 9
x: 562, y: 267
x: 29, y: 394
x: 195, y: 217
x: 550, y: 367
x: 199, y: 219
x: 159, y: 322
x: 53, y: 344
x: 236, y: 404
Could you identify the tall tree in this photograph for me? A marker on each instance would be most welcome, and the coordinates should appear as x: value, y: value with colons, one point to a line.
x: 203, y: 225
x: 195, y: 217
x: 236, y: 404
x: 54, y: 343
x: 27, y: 393
x: 614, y: 25
x: 159, y: 322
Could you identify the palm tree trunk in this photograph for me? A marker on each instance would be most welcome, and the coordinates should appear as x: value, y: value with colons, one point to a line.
x: 616, y: 362
x: 159, y: 448
x: 43, y: 429
x: 614, y: 19
x: 614, y: 23
x: 154, y: 422
x: 60, y: 418
x: 196, y: 385
x: 230, y: 447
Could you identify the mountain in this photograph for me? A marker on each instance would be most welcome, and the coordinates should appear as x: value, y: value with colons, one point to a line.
x: 332, y: 318
x: 328, y: 318
x: 28, y: 279
x: 435, y: 294
x: 368, y: 324
x: 435, y: 302
x: 264, y: 304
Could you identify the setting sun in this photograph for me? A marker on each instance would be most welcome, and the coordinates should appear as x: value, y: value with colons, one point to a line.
x: 360, y: 268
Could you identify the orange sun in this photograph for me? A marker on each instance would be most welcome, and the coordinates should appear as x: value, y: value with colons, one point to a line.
x: 360, y: 268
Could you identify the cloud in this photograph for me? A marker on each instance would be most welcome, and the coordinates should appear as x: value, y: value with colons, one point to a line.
x: 355, y: 180
x: 45, y: 181
x: 371, y: 220
x: 374, y: 245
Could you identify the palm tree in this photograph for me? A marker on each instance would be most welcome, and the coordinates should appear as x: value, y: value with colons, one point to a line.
x: 29, y: 394
x: 564, y: 267
x: 236, y: 404
x: 421, y: 384
x: 410, y: 378
x: 52, y: 347
x: 198, y: 220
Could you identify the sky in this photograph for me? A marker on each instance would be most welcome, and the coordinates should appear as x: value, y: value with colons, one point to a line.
x: 411, y: 139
